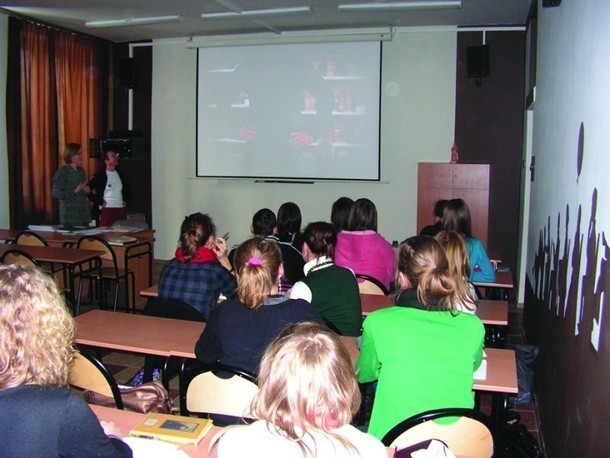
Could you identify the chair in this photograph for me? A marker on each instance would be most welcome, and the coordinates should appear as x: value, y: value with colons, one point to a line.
x: 370, y: 285
x: 88, y: 373
x: 166, y: 308
x: 15, y: 256
x: 33, y: 239
x: 109, y: 271
x: 213, y: 394
x: 470, y: 436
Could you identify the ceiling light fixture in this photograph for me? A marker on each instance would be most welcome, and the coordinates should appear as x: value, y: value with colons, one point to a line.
x: 133, y: 21
x: 414, y: 5
x: 258, y: 13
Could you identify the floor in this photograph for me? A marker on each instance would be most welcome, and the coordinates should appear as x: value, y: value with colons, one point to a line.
x: 124, y: 367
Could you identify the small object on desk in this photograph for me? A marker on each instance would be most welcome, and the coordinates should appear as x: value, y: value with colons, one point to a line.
x: 121, y: 240
x: 172, y: 428
x: 481, y: 372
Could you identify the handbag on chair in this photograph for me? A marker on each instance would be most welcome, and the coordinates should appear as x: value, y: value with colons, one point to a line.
x: 148, y: 397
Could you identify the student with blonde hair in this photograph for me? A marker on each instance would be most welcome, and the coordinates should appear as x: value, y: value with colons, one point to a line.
x: 238, y: 331
x: 307, y: 398
x: 422, y: 351
x: 40, y: 415
x: 456, y: 217
x: 465, y: 298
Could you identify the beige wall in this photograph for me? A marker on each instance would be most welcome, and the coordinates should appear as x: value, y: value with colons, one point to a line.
x: 418, y: 110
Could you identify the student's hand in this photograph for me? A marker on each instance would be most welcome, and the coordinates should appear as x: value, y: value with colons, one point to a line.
x: 220, y: 247
x: 111, y: 429
x: 300, y: 139
x: 80, y: 187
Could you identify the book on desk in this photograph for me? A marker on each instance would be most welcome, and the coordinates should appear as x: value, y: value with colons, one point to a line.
x: 172, y: 428
x: 121, y: 240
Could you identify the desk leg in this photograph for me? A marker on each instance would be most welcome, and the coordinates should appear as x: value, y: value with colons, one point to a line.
x: 499, y: 410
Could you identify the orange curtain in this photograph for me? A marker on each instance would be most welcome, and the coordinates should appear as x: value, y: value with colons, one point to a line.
x: 60, y: 102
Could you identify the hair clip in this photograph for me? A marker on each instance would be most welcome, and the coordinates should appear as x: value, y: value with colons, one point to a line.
x: 255, y: 261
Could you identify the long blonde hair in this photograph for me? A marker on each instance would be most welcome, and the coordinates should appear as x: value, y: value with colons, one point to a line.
x: 459, y: 266
x: 36, y: 330
x: 257, y: 265
x: 307, y: 383
x: 424, y: 263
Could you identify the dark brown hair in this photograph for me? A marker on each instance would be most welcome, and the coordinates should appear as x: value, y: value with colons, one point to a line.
x: 456, y: 217
x: 195, y: 231
x: 321, y: 239
x: 363, y: 216
x: 339, y: 214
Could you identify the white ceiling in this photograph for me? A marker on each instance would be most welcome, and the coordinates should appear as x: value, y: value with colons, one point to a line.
x: 72, y: 14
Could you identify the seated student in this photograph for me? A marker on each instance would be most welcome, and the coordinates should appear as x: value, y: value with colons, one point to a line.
x: 422, y: 351
x: 456, y: 217
x: 40, y: 415
x: 307, y: 397
x: 339, y: 214
x: 332, y: 290
x: 457, y: 257
x: 200, y: 272
x: 239, y: 329
x: 437, y: 218
x: 264, y: 225
x: 361, y: 248
x: 289, y: 225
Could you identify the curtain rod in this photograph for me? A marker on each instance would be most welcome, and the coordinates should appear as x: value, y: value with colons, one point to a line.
x: 50, y: 26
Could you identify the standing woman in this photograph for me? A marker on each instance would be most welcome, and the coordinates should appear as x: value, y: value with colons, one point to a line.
x: 70, y: 187
x: 456, y: 217
x: 240, y: 329
x: 332, y: 290
x: 307, y: 397
x: 422, y: 351
x: 361, y: 248
x: 40, y: 415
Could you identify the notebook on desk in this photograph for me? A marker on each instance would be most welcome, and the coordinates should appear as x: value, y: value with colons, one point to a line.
x: 172, y: 428
x: 121, y: 239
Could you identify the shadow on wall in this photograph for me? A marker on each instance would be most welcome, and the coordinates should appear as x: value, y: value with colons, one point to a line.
x: 566, y: 302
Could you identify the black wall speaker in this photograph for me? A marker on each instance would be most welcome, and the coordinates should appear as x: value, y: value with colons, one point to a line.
x: 477, y: 59
x: 550, y: 3
x: 128, y: 73
x: 95, y: 147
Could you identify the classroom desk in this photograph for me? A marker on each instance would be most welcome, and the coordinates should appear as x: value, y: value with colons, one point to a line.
x: 147, y: 335
x: 137, y: 257
x: 71, y: 258
x: 126, y: 421
x: 490, y: 312
x: 176, y: 338
x: 503, y: 282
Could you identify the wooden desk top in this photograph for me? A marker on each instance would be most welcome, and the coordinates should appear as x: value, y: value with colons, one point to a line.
x: 490, y: 312
x: 53, y: 254
x: 501, y: 372
x: 503, y: 280
x: 126, y: 421
x: 55, y: 238
x: 138, y: 333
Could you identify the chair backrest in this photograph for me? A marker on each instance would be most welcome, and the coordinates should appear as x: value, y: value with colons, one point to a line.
x: 171, y: 308
x: 19, y: 257
x: 211, y: 393
x: 88, y: 373
x: 92, y: 242
x: 471, y: 435
x: 370, y: 285
x: 30, y: 238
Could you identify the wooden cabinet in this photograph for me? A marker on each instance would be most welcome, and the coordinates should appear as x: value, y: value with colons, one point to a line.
x: 451, y: 181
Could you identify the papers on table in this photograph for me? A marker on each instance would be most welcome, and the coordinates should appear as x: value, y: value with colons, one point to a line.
x: 481, y: 372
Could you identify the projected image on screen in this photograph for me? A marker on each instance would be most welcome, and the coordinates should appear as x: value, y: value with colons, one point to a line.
x: 306, y: 111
